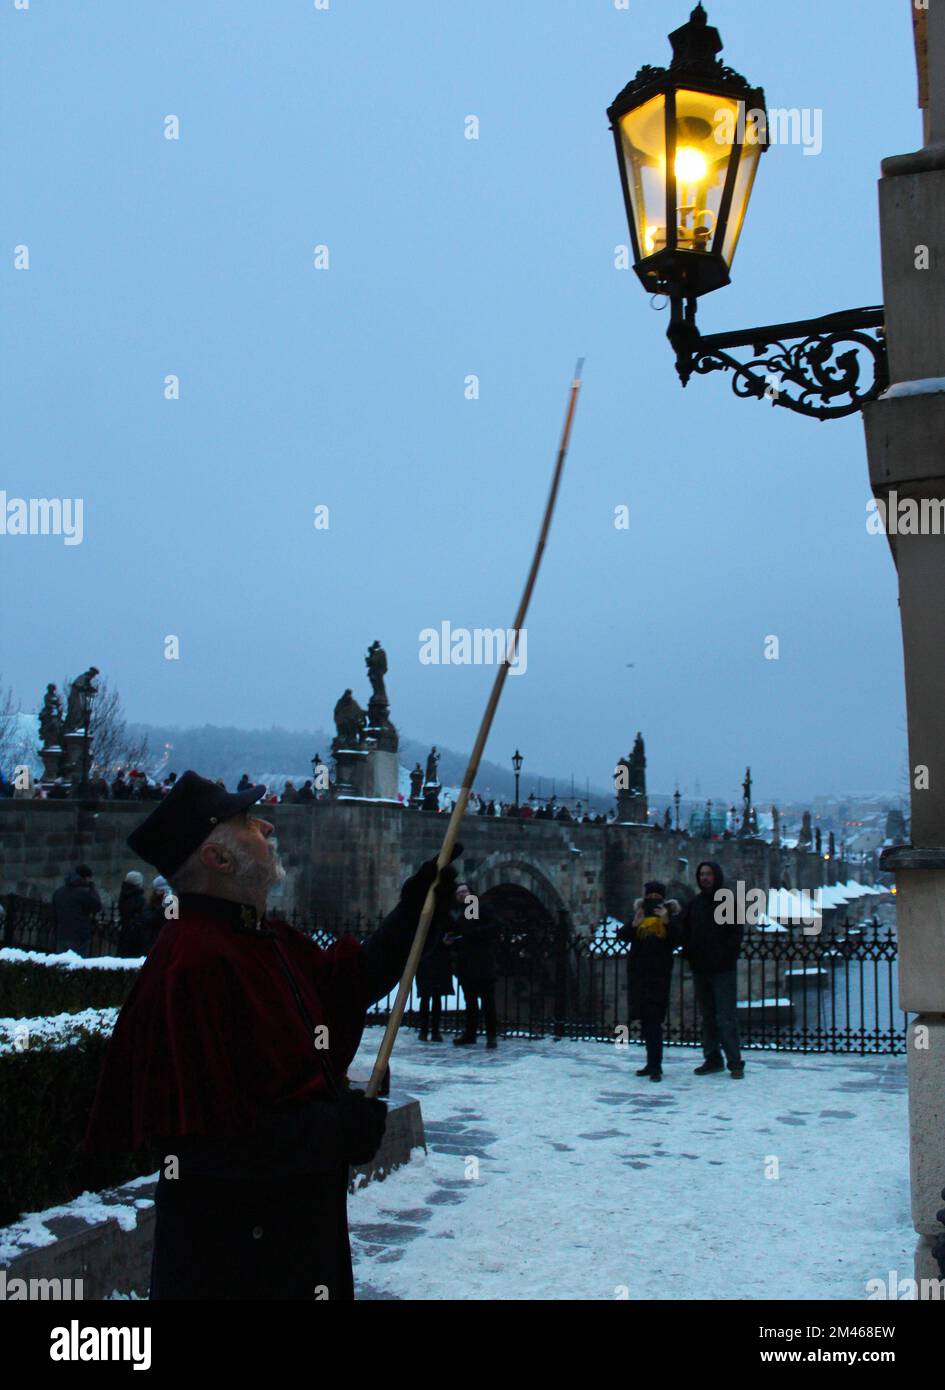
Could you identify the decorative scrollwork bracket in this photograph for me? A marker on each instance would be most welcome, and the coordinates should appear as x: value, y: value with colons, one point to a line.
x: 815, y: 367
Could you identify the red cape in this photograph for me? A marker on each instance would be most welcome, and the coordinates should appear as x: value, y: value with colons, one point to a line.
x: 211, y: 1037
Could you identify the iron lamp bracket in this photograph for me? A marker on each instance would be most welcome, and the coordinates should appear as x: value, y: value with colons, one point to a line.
x: 816, y: 367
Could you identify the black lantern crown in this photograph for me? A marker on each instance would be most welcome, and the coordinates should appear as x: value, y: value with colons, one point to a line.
x: 696, y: 45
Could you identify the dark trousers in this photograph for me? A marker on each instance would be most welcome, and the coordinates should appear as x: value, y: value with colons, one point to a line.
x: 480, y: 992
x: 430, y: 1017
x: 651, y: 1026
x: 716, y: 997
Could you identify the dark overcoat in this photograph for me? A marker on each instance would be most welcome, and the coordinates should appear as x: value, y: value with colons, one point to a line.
x: 435, y: 971
x: 474, y: 951
x: 650, y: 969
x: 75, y: 906
x: 219, y: 1062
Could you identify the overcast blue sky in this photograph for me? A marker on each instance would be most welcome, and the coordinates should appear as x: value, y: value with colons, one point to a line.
x: 345, y: 387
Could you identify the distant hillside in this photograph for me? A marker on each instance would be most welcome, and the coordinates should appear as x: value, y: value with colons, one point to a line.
x: 272, y: 755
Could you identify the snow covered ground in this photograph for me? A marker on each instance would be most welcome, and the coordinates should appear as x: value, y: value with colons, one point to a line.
x: 554, y: 1172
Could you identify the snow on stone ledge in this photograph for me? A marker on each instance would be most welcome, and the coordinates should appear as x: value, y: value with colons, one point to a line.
x: 927, y: 386
x: 31, y: 1232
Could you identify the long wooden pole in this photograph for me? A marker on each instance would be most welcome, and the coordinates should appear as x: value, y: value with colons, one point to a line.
x: 452, y: 829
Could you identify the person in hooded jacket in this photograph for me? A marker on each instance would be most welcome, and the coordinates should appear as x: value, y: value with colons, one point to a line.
x: 653, y: 935
x: 711, y: 948
x: 131, y: 907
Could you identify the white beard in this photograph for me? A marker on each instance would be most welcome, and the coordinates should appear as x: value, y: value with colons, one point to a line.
x: 257, y: 877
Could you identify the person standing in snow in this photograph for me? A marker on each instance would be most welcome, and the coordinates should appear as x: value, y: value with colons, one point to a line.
x: 131, y: 907
x: 653, y: 935
x: 76, y: 904
x: 434, y: 979
x: 711, y: 948
x: 474, y: 941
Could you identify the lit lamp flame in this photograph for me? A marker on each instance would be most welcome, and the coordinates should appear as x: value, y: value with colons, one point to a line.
x: 691, y: 165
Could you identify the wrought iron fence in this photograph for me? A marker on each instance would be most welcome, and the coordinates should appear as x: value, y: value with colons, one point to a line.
x: 834, y: 992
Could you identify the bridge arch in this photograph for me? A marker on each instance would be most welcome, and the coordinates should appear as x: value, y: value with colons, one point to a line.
x: 503, y: 871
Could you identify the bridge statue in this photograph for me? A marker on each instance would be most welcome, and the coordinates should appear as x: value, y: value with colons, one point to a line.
x: 378, y: 706
x: 81, y: 691
x: 51, y: 719
x: 433, y: 759
x: 376, y: 663
x: 350, y: 720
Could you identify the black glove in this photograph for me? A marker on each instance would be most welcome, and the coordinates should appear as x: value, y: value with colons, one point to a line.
x: 363, y: 1123
x: 415, y: 889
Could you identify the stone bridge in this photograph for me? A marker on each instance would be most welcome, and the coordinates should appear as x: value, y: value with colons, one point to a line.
x: 349, y: 858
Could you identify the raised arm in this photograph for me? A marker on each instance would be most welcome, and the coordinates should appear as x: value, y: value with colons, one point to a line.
x: 385, y: 951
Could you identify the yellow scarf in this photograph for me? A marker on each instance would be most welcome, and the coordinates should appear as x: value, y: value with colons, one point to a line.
x: 652, y: 926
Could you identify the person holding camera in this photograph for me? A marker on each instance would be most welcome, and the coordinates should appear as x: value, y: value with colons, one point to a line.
x: 653, y: 936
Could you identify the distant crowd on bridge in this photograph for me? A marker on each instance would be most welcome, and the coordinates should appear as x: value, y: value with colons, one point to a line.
x: 135, y: 785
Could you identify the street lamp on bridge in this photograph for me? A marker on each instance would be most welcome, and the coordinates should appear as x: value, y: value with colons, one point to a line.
x: 517, y: 761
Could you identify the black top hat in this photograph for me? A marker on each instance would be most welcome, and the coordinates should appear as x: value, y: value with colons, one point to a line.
x: 184, y: 819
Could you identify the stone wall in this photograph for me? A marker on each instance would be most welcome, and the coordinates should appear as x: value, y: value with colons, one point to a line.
x: 345, y: 858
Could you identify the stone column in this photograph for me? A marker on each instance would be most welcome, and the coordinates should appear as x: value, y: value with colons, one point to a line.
x: 905, y: 434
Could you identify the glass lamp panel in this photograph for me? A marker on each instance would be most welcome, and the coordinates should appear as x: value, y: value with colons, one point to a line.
x: 643, y: 141
x: 706, y: 141
x: 744, y: 180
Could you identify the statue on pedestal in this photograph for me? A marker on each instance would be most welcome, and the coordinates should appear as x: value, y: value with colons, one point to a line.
x: 81, y: 692
x: 433, y: 759
x: 416, y: 785
x: 378, y: 711
x: 376, y: 663
x: 630, y: 785
x: 637, y: 764
x: 51, y: 719
x: 350, y: 721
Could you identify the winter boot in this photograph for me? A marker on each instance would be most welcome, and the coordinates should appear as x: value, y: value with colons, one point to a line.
x: 710, y: 1065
